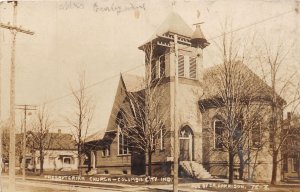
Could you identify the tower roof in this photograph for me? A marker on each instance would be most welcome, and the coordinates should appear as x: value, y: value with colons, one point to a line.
x: 198, y: 38
x: 174, y: 24
x: 198, y: 33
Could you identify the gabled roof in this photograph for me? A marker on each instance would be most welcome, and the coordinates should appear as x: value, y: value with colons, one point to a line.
x: 95, y: 136
x: 133, y: 83
x: 62, y: 141
x: 54, y: 141
x: 97, y: 141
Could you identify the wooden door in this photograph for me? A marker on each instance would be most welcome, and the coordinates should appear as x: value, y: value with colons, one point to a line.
x: 184, y: 150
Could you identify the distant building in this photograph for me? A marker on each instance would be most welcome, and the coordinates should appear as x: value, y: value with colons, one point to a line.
x: 201, y: 153
x: 291, y: 149
x: 60, y: 152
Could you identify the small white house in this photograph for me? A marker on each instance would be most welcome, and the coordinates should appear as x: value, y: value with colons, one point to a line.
x: 60, y: 154
x: 58, y: 160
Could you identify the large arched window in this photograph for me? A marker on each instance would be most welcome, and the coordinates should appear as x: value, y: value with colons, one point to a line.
x: 153, y: 70
x: 162, y: 66
x: 159, y: 139
x: 123, y: 147
x: 218, y: 133
x: 256, y: 135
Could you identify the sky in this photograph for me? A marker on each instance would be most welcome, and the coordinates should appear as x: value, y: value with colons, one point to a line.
x: 101, y: 37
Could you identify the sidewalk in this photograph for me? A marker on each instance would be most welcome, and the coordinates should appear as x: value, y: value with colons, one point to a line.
x: 205, y: 185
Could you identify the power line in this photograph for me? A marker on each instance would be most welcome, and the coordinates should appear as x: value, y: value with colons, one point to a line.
x: 92, y: 85
x: 212, y: 38
x: 252, y: 24
x: 14, y: 29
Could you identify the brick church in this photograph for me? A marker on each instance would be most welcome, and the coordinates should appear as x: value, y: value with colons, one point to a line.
x: 200, y: 152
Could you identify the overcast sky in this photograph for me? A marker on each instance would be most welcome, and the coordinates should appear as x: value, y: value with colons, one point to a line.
x: 102, y: 37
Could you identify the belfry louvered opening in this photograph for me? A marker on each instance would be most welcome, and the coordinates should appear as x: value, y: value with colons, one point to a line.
x: 181, y: 66
x: 193, y: 71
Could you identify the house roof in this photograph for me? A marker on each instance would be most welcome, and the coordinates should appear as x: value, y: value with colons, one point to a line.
x: 55, y: 141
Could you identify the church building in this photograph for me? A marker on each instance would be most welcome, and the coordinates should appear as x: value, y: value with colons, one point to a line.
x: 200, y: 153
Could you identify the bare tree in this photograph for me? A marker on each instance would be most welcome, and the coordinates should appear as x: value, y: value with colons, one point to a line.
x: 81, y: 117
x: 238, y: 96
x: 273, y: 58
x: 5, y: 143
x: 39, y: 138
x: 146, y: 113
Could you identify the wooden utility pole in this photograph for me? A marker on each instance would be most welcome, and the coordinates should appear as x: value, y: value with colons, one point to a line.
x: 12, y: 137
x: 174, y: 39
x: 25, y: 108
x: 176, y: 142
x: 1, y: 146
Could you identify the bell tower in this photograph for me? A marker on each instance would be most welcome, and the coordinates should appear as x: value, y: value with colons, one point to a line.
x: 175, y: 47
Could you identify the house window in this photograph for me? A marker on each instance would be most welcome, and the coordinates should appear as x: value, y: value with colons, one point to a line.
x: 218, y: 132
x: 193, y: 68
x: 162, y: 66
x: 67, y: 160
x: 106, y: 151
x: 181, y: 66
x: 123, y: 147
x: 256, y: 136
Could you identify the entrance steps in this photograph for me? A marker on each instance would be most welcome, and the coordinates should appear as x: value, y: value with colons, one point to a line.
x: 92, y: 172
x: 195, y: 170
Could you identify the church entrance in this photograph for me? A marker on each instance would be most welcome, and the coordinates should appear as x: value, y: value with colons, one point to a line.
x: 186, y: 144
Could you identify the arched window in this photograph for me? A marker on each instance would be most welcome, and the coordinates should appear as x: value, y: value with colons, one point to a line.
x: 256, y: 135
x: 162, y: 133
x: 218, y: 133
x: 186, y: 131
x: 123, y: 147
x: 159, y: 139
x: 162, y: 66
x: 153, y: 70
